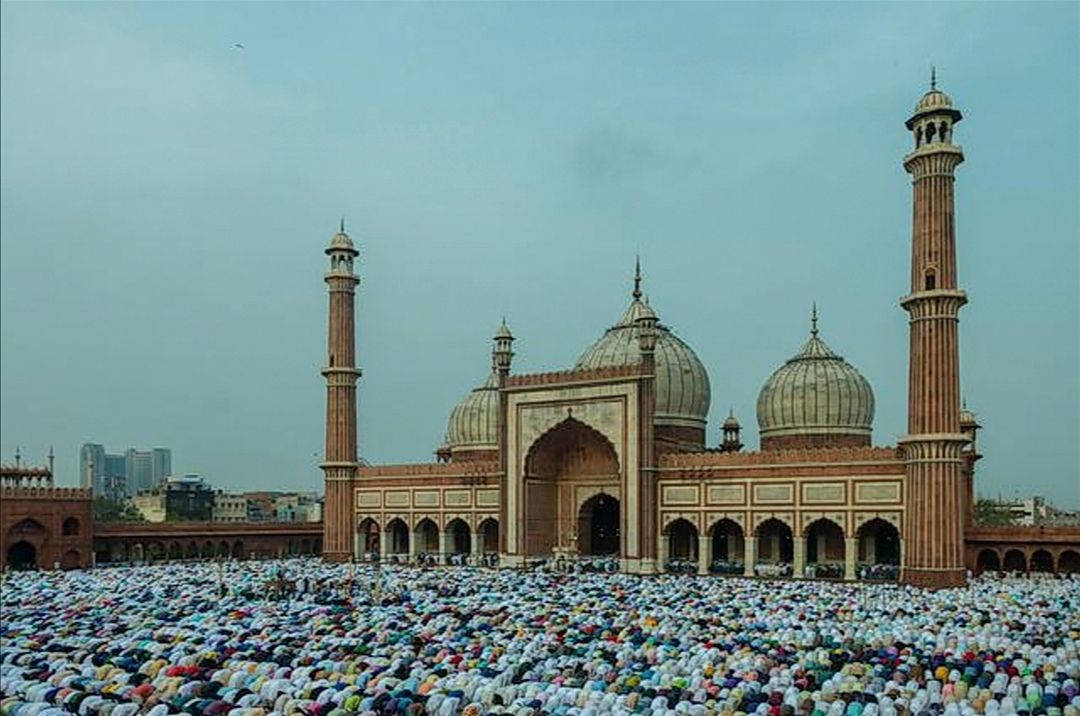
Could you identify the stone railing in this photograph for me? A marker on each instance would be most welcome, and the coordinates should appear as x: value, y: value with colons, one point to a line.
x: 45, y: 493
x: 780, y: 457
x: 584, y: 375
x: 431, y: 469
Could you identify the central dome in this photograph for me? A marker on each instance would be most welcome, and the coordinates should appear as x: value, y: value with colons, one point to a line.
x: 682, y: 385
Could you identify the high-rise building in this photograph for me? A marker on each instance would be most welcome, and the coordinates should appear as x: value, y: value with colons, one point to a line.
x: 140, y: 470
x: 92, y: 468
x: 161, y: 466
x: 115, y: 477
x: 123, y: 475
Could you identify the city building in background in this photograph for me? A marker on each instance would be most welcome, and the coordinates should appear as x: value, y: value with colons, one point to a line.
x: 117, y: 476
x: 268, y: 506
x: 181, y: 498
x: 230, y: 507
x: 1034, y: 511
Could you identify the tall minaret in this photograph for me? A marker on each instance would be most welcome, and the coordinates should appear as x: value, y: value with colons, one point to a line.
x: 933, y: 545
x: 339, y: 463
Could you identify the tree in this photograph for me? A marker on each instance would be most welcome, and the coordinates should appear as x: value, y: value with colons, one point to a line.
x: 106, y: 510
x: 993, y: 513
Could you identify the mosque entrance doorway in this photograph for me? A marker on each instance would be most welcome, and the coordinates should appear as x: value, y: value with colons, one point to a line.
x: 22, y: 555
x: 569, y: 463
x: 598, y: 526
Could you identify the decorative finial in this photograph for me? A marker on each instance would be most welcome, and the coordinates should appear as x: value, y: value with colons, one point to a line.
x: 731, y: 412
x: 637, y: 278
x: 933, y: 78
x: 18, y: 456
x: 813, y: 320
x: 342, y: 229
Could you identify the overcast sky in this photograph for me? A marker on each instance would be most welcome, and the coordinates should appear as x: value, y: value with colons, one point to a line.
x: 166, y: 198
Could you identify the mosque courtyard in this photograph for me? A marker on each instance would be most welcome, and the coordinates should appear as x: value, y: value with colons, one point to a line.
x: 304, y: 637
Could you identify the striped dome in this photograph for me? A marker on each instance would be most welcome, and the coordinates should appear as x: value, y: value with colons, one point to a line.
x: 682, y: 385
x: 474, y: 421
x: 816, y: 392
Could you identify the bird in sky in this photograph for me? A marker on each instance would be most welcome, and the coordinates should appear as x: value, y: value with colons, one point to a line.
x: 238, y: 46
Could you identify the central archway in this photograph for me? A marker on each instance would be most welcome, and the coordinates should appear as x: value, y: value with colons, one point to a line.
x: 571, y: 462
x: 598, y: 526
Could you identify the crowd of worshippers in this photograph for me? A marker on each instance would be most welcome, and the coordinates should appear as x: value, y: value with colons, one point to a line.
x: 301, y: 637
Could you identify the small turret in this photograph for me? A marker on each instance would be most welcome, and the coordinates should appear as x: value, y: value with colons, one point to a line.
x: 731, y: 430
x: 502, y: 354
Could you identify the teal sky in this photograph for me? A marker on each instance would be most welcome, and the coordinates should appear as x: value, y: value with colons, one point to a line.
x: 165, y: 199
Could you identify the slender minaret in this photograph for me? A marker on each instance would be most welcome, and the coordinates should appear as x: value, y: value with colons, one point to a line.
x: 502, y: 354
x: 647, y: 549
x: 340, y: 463
x: 933, y: 547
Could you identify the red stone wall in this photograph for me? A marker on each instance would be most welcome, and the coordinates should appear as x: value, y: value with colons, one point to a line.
x: 48, y: 508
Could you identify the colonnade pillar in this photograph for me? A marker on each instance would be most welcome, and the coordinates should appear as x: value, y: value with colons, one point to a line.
x: 798, y: 554
x: 703, y: 554
x: 749, y: 554
x: 851, y: 554
x: 475, y: 544
x: 414, y: 542
x: 446, y: 545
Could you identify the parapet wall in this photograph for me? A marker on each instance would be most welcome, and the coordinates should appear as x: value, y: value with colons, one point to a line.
x: 430, y: 469
x: 796, y: 456
x: 584, y: 375
x: 45, y: 493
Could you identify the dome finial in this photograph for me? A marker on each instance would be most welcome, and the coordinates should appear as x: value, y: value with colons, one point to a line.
x: 342, y: 229
x: 813, y: 320
x: 933, y: 78
x: 637, y: 278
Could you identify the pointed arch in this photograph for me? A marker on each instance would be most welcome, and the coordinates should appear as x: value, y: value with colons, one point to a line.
x: 1015, y: 561
x: 397, y: 536
x: 427, y: 536
x: 987, y: 561
x: 571, y: 447
x: 824, y: 542
x: 682, y: 536
x: 1069, y: 562
x: 1042, y: 561
x: 776, y: 544
x: 489, y: 535
x: 460, y: 536
x: 728, y: 544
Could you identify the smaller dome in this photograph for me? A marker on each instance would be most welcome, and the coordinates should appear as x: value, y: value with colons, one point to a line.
x: 933, y: 100
x: 968, y: 418
x: 341, y: 242
x: 503, y: 331
x: 815, y: 398
x: 474, y: 421
x: 731, y: 422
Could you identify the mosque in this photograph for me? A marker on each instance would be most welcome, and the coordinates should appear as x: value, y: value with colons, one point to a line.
x: 611, y: 458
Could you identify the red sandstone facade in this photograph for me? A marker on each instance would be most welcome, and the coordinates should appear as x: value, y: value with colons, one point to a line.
x: 580, y: 464
x: 42, y: 525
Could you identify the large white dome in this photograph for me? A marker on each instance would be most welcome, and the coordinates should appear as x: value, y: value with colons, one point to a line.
x: 682, y: 385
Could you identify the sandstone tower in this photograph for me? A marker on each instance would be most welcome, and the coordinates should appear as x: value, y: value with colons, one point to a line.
x: 340, y: 460
x: 933, y: 530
